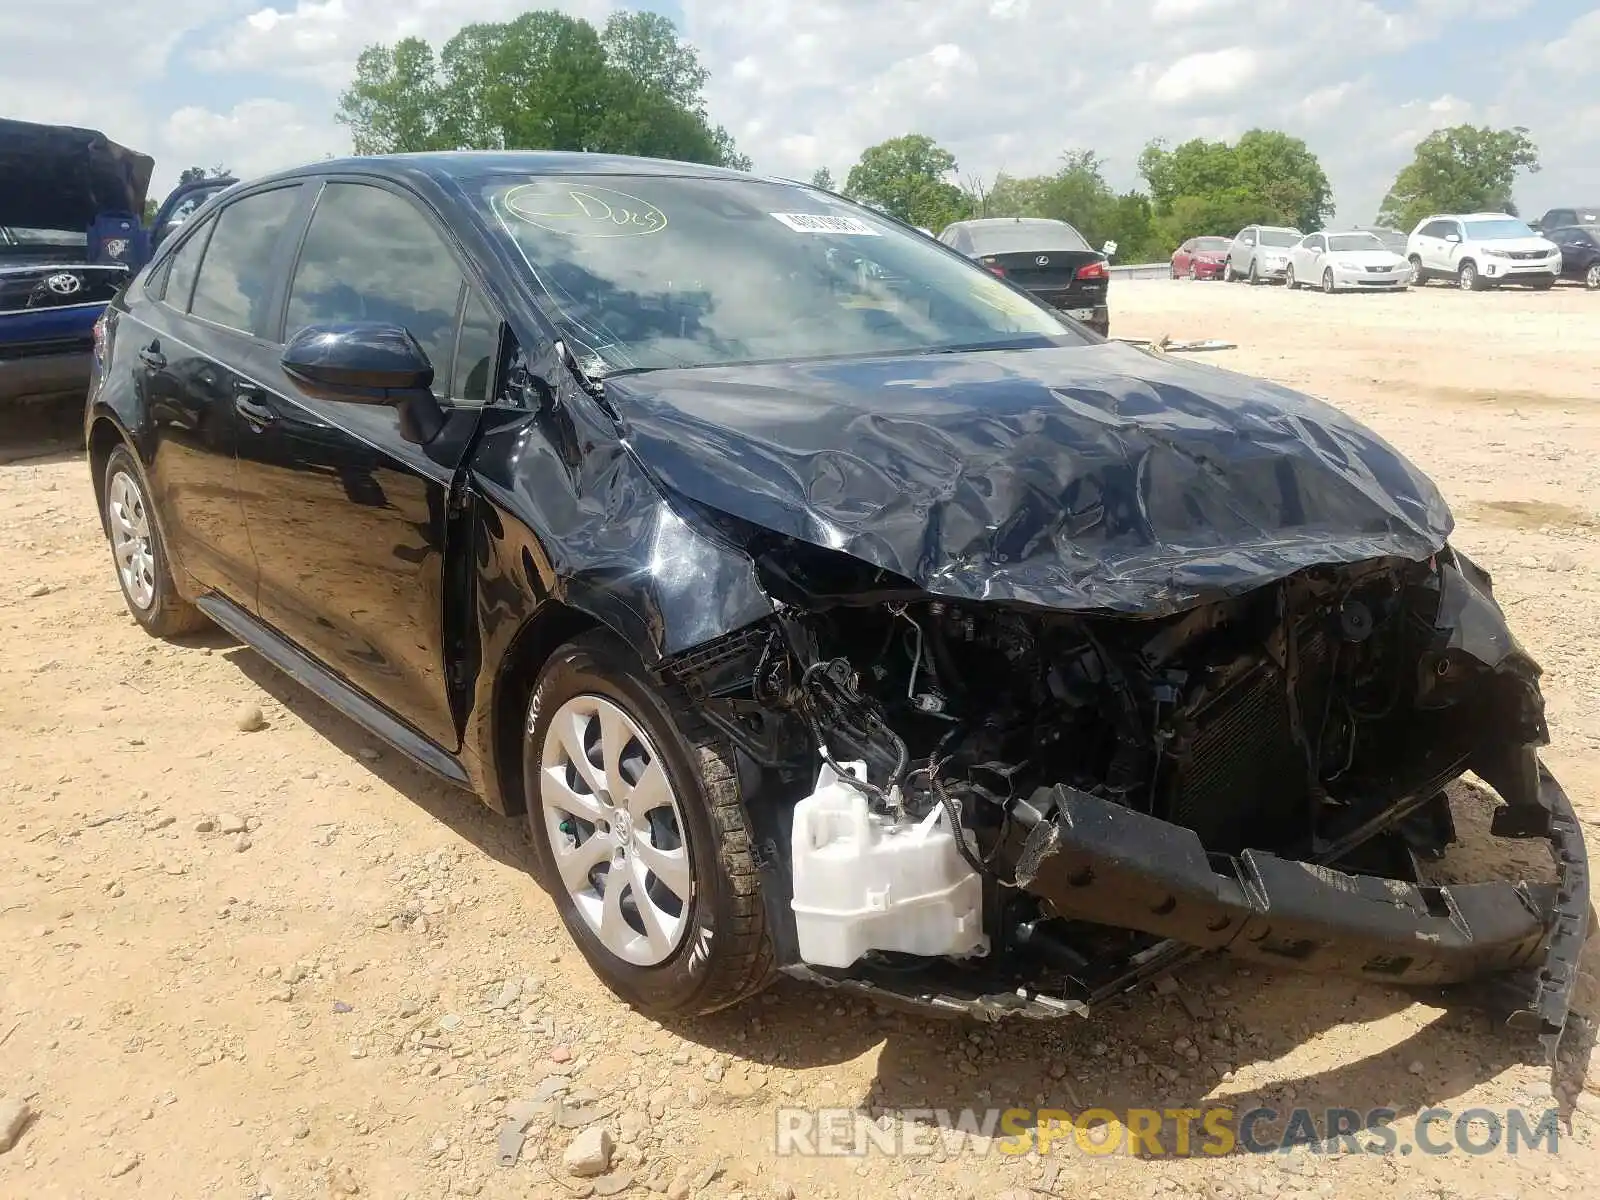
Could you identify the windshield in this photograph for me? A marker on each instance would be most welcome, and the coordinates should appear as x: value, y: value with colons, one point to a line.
x: 1355, y: 241
x: 1279, y: 237
x: 1504, y: 227
x: 1212, y: 245
x: 644, y: 272
x: 1025, y: 237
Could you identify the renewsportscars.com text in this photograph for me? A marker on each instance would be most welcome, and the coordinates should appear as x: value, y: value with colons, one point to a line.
x: 1156, y: 1132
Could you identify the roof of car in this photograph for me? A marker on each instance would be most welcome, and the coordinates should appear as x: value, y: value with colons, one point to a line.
x: 470, y: 164
x: 993, y: 222
x: 1473, y: 216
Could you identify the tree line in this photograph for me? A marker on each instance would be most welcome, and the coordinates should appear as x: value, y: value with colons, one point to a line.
x: 550, y: 81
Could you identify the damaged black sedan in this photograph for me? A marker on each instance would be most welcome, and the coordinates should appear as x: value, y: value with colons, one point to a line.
x: 827, y: 604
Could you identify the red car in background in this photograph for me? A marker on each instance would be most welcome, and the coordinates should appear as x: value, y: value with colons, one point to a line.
x: 1201, y: 257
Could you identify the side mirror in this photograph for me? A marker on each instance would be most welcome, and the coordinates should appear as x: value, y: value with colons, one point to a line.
x: 368, y: 362
x: 1452, y: 237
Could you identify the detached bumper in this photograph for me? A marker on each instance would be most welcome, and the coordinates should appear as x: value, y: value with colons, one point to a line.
x: 1095, y: 861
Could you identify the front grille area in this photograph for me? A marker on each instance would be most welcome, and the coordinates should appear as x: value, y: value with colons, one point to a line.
x: 1528, y: 255
x: 1243, y: 781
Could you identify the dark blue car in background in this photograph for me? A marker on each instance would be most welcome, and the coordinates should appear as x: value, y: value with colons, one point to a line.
x: 71, y: 234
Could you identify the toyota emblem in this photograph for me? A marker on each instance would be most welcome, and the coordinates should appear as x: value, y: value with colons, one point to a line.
x: 64, y: 284
x: 1043, y: 260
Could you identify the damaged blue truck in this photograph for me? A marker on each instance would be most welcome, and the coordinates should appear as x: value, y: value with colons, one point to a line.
x: 72, y: 233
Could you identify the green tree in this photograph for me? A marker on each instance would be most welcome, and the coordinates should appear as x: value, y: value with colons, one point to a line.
x: 909, y: 178
x: 1466, y: 168
x: 543, y: 81
x: 1078, y: 194
x: 823, y: 178
x: 196, y: 174
x: 1270, y: 175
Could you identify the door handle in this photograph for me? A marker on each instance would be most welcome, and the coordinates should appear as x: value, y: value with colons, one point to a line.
x: 152, y: 357
x: 247, y: 404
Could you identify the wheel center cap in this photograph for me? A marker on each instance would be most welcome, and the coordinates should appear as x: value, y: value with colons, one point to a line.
x: 622, y: 826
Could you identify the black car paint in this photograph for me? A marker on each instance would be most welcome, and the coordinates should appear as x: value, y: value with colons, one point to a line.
x: 418, y: 584
x: 1580, y: 249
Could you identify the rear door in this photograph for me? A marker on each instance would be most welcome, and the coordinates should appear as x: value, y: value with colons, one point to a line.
x: 193, y: 338
x: 347, y: 517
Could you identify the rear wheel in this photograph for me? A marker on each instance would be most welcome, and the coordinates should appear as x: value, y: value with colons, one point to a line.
x: 144, y: 572
x: 639, y: 832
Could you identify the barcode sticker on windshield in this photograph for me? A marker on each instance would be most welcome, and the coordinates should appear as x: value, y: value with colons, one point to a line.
x: 819, y: 223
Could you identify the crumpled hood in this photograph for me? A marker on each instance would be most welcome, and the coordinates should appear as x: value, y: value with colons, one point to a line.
x: 59, y: 177
x: 1097, y: 477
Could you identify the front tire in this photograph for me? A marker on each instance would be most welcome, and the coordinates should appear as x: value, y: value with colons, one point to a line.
x: 1419, y: 273
x: 1253, y: 279
x: 1194, y: 273
x: 1289, y: 281
x: 1468, y: 279
x: 639, y: 833
x: 1327, y: 281
x: 1591, y: 277
x: 144, y: 572
x: 1227, y: 272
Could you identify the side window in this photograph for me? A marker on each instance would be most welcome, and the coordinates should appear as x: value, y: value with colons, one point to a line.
x: 236, y: 276
x: 182, y: 268
x: 1248, y: 237
x: 372, y: 256
x: 473, y: 379
x: 1317, y: 243
x: 1432, y: 229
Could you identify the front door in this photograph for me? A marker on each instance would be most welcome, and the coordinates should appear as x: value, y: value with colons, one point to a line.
x: 347, y: 517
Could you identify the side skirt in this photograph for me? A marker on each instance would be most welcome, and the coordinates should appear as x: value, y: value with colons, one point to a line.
x: 313, y: 676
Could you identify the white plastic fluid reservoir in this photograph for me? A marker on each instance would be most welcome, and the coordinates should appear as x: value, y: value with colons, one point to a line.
x: 865, y: 882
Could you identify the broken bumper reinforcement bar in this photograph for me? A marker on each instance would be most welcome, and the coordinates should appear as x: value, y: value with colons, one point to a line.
x: 1093, y: 860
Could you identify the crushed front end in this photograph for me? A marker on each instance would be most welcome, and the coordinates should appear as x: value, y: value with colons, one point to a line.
x: 1023, y: 810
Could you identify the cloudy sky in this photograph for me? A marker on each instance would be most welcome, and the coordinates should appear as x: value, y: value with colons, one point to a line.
x: 1004, y: 84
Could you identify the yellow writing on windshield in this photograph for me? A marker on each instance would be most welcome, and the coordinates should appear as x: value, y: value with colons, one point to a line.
x: 583, y: 211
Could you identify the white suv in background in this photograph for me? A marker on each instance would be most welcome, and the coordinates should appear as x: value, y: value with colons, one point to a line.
x: 1260, y: 252
x: 1481, y: 250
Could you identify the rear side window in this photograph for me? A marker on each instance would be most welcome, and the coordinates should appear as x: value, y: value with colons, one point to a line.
x: 372, y: 256
x: 178, y: 285
x: 235, y: 281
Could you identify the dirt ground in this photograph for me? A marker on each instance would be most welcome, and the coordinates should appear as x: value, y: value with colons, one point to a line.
x: 285, y: 963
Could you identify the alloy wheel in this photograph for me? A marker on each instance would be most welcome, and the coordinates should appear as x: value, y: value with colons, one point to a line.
x: 1591, y: 278
x: 1418, y: 275
x: 1467, y: 277
x: 1289, y: 281
x: 1327, y: 280
x: 616, y: 830
x: 129, y: 522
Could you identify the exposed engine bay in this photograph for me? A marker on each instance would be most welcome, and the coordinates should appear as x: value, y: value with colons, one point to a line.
x: 996, y: 808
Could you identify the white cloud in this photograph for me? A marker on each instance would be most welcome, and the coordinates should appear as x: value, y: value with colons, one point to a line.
x: 251, y: 138
x: 806, y: 83
x: 1200, y: 76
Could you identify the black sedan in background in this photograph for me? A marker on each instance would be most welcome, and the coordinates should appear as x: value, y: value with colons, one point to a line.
x: 822, y: 602
x: 1580, y: 253
x: 1049, y: 259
